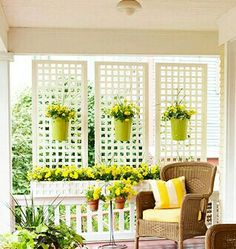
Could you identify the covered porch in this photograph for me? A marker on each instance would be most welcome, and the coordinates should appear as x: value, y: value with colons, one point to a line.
x: 91, y: 57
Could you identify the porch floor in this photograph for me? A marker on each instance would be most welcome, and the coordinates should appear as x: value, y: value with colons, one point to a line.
x: 196, y: 243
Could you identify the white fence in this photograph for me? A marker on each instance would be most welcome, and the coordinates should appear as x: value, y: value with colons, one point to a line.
x: 94, y: 226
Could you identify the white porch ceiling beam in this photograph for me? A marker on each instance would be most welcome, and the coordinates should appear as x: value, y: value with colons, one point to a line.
x: 227, y: 27
x: 94, y: 41
x: 3, y: 31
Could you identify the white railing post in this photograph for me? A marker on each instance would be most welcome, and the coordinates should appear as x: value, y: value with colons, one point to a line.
x: 5, y: 145
x: 214, y: 210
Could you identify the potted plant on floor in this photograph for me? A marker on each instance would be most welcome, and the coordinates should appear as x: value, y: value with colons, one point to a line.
x: 179, y: 115
x: 120, y: 191
x: 35, y: 229
x: 93, y: 195
x: 123, y: 112
x: 60, y: 115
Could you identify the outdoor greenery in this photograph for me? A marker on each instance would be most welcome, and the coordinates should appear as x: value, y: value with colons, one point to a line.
x: 91, y: 125
x: 35, y: 230
x: 22, y: 142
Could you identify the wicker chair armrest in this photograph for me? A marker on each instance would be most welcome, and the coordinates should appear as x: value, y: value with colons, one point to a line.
x: 192, y: 215
x: 144, y: 200
x: 221, y: 236
x: 192, y: 204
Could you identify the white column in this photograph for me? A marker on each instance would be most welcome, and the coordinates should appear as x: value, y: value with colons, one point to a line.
x: 229, y: 171
x: 5, y: 145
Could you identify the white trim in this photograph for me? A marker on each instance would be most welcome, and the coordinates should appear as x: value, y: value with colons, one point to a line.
x: 229, y: 171
x: 227, y: 29
x: 97, y: 113
x: 34, y: 113
x: 84, y: 114
x: 3, y: 30
x: 6, y: 56
x: 98, y: 41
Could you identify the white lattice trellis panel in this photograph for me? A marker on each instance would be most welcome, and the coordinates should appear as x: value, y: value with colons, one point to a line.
x: 129, y: 80
x: 62, y: 82
x: 192, y: 79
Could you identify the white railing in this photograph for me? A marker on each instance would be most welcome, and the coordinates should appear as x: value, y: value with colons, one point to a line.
x: 94, y: 226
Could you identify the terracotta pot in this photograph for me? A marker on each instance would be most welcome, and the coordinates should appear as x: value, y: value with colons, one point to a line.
x: 120, y: 202
x: 93, y: 205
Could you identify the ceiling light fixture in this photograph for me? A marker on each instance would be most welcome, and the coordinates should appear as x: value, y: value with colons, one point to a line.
x: 128, y: 6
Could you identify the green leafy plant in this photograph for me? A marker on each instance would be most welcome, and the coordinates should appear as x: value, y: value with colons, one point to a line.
x: 177, y: 110
x: 94, y: 193
x: 36, y: 225
x: 31, y: 216
x: 122, y: 109
x: 42, y: 237
x: 21, y: 239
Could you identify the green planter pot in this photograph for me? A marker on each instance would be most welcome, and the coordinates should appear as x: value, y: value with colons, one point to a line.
x: 60, y: 129
x: 179, y: 129
x: 122, y: 130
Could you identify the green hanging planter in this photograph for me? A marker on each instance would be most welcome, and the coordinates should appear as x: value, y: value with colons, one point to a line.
x: 179, y: 129
x: 122, y: 130
x: 60, y: 129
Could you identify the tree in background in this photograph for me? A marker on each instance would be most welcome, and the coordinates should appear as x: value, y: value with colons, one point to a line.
x: 91, y: 125
x: 22, y: 141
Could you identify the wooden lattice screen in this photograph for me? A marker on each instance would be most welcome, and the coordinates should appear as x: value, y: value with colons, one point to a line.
x: 129, y: 80
x: 63, y: 82
x: 192, y: 79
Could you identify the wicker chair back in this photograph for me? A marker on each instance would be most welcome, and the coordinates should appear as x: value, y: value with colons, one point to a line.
x: 199, y: 176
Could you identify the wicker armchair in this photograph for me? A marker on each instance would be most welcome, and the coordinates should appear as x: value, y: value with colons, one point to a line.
x: 199, y: 181
x: 221, y: 236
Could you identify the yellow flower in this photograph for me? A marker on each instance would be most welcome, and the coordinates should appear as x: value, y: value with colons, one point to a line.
x: 127, y: 113
x: 117, y: 192
x: 48, y: 174
x: 95, y: 196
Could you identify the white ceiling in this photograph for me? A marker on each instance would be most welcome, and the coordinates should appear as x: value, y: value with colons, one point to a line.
x: 102, y: 14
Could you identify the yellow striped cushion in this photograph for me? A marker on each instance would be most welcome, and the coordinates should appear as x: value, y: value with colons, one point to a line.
x: 169, y: 194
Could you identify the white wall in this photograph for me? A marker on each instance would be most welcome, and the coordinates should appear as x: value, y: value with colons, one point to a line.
x: 78, y: 41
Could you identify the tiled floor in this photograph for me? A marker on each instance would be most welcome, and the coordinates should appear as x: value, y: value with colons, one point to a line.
x: 197, y: 243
